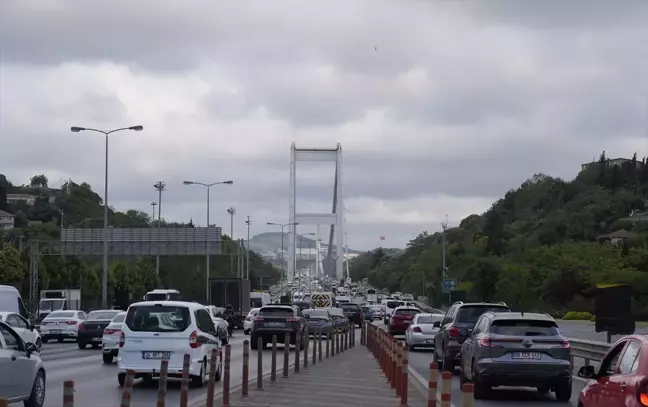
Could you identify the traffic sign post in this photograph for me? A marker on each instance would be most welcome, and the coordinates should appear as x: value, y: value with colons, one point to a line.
x: 449, y: 285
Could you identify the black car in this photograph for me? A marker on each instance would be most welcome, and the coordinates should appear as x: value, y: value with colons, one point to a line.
x: 278, y: 320
x: 353, y: 312
x: 302, y: 305
x: 91, y: 330
x: 457, y: 325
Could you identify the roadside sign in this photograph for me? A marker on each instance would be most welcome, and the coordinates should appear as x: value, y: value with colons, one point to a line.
x: 449, y: 285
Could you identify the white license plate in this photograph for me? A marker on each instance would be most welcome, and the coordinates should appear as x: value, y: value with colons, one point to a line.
x: 156, y: 355
x: 96, y: 339
x: 526, y: 355
x: 276, y: 324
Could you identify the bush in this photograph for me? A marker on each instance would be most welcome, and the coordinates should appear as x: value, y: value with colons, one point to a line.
x: 577, y: 316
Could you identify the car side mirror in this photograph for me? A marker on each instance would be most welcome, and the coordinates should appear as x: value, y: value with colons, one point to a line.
x: 30, y: 348
x: 437, y: 324
x: 587, y: 372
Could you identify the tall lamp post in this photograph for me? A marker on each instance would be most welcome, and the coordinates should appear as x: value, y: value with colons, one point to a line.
x: 232, y: 211
x: 248, y: 222
x: 208, y: 186
x: 104, y: 274
x: 159, y: 186
x: 153, y: 205
x: 282, y: 226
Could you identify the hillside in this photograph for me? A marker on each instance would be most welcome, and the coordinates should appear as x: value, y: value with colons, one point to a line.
x: 271, y: 242
x: 543, y: 246
x: 39, y: 212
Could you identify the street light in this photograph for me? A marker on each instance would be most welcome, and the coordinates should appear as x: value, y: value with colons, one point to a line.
x: 208, y: 186
x: 282, y: 226
x: 104, y: 275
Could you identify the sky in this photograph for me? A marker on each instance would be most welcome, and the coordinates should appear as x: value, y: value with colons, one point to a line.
x: 440, y: 106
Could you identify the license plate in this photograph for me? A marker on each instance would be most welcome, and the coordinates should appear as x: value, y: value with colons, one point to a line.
x: 156, y: 355
x: 526, y: 355
x: 276, y: 324
x: 55, y: 331
x: 96, y: 339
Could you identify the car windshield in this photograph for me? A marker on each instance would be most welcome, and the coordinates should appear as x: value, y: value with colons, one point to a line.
x: 470, y: 314
x: 524, y: 327
x: 119, y: 318
x: 61, y: 314
x: 428, y: 319
x: 407, y: 312
x: 276, y: 312
x: 350, y: 307
x: 158, y: 318
x: 394, y: 304
x: 94, y: 315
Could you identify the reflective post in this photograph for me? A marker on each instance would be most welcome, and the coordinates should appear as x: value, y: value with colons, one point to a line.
x: 245, y: 374
x: 319, y: 346
x: 226, y: 376
x: 260, y: 347
x: 298, y: 342
x: 162, y: 385
x: 273, y: 360
x: 286, y: 360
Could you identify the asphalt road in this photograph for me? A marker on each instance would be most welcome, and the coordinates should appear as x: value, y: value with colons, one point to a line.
x: 96, y: 383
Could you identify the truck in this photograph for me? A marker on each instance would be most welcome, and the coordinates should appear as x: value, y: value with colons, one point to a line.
x: 58, y: 300
x: 231, y: 291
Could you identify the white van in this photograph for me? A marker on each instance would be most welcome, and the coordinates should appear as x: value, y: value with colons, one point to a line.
x: 10, y: 301
x: 390, y: 306
x: 167, y: 330
x: 259, y: 299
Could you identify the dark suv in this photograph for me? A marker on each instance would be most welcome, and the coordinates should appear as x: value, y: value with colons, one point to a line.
x: 353, y: 312
x: 456, y: 326
x: 517, y: 349
x: 278, y: 320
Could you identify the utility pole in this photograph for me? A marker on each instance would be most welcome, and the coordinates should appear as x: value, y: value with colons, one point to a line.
x: 153, y: 205
x: 248, y: 222
x: 444, y: 225
x: 231, y: 210
x: 159, y: 186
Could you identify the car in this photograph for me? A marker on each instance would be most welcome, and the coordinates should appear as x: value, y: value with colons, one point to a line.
x: 422, y: 330
x: 517, y: 349
x: 247, y: 324
x: 23, y: 373
x: 22, y: 327
x: 377, y: 311
x: 340, y: 321
x: 221, y: 324
x: 455, y: 327
x: 91, y: 330
x: 318, y: 320
x: 61, y: 325
x: 110, y: 338
x: 167, y: 330
x: 390, y: 306
x: 353, y: 312
x: 278, y: 320
x: 620, y: 378
x: 401, y: 319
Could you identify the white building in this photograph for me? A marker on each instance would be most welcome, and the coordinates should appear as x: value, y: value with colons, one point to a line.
x: 7, y: 221
x: 21, y: 198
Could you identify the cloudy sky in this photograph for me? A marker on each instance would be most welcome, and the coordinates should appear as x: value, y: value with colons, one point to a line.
x: 440, y: 106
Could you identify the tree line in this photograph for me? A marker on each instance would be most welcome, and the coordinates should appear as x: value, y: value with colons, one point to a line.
x: 77, y: 205
x: 544, y: 246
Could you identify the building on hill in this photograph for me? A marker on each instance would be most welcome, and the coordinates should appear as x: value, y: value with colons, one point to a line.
x: 7, y: 220
x: 617, y: 238
x: 15, y: 199
x: 612, y: 162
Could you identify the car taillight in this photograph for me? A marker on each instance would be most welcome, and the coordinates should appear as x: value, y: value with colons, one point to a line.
x: 642, y: 393
x: 292, y: 320
x: 71, y: 322
x: 491, y: 343
x: 109, y: 331
x: 565, y: 345
x: 417, y: 330
x: 122, y: 339
x: 81, y: 326
x: 453, y: 332
x: 486, y: 342
x: 193, y: 340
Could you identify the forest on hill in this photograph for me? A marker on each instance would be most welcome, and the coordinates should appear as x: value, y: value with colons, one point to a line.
x: 543, y: 246
x: 78, y: 206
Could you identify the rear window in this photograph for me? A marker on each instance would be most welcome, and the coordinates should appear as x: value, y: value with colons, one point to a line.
x: 470, y: 314
x: 119, y: 318
x: 158, y: 318
x: 61, y: 314
x: 102, y: 315
x: 353, y: 307
x: 276, y: 312
x: 428, y: 319
x: 394, y: 304
x: 524, y: 327
x: 256, y: 302
x: 409, y: 312
x: 316, y: 313
x: 156, y: 297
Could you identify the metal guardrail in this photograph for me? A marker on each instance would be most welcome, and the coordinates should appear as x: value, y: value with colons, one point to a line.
x: 588, y: 350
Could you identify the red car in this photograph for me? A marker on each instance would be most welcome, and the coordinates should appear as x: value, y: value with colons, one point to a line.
x: 401, y: 319
x: 621, y: 379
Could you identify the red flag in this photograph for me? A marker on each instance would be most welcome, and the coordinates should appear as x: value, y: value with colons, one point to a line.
x: 382, y: 237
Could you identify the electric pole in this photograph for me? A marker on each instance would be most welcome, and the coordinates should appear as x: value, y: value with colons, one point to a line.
x: 231, y: 210
x: 248, y: 222
x: 153, y: 205
x: 159, y: 186
x: 444, y: 225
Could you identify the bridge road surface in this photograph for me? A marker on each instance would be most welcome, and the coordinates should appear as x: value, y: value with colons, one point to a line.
x: 96, y: 385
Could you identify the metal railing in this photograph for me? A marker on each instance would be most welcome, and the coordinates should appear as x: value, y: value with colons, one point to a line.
x: 588, y: 350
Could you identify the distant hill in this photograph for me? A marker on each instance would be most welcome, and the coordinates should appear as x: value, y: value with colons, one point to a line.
x: 271, y: 242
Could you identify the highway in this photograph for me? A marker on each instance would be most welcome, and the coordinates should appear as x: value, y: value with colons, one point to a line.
x: 96, y: 383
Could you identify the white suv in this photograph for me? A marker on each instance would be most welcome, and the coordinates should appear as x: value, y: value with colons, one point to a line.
x: 167, y: 330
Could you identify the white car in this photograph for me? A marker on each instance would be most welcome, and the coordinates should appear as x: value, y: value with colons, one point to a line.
x: 61, y: 325
x: 110, y: 338
x: 22, y: 327
x: 215, y: 313
x: 167, y: 330
x: 247, y: 324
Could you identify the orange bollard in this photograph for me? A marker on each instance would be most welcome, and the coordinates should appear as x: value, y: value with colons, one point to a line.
x: 404, y: 376
x: 184, y: 381
x: 468, y: 395
x: 446, y: 389
x: 162, y: 384
x: 68, y: 394
x: 433, y: 384
x: 128, y: 389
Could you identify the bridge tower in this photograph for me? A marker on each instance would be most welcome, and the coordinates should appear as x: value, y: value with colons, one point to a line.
x: 335, y: 219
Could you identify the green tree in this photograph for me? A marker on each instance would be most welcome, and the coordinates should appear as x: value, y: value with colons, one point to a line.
x: 12, y: 271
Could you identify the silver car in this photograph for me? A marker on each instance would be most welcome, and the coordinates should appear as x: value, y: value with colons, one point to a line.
x: 26, y: 381
x: 422, y: 331
x: 110, y: 338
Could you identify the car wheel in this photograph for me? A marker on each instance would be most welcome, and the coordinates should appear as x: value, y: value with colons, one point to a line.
x: 82, y: 345
x: 107, y: 358
x: 448, y: 363
x: 200, y: 380
x: 481, y: 389
x: 219, y: 367
x: 563, y: 391
x: 121, y: 379
x: 39, y: 346
x: 37, y: 395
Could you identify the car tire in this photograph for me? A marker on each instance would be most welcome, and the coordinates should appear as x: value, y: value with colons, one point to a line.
x: 563, y: 391
x: 39, y: 346
x: 37, y: 395
x: 45, y: 339
x: 107, y: 358
x: 219, y: 367
x: 121, y: 379
x: 82, y: 345
x: 200, y: 380
x: 462, y: 376
x: 481, y: 389
x: 448, y: 363
x: 246, y: 332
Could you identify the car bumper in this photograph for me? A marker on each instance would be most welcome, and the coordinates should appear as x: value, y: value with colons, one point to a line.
x: 422, y: 340
x: 110, y: 347
x: 174, y: 370
x: 90, y: 335
x: 46, y: 334
x: 398, y: 329
x: 267, y: 334
x: 517, y: 374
